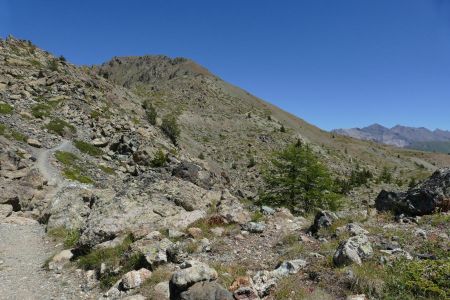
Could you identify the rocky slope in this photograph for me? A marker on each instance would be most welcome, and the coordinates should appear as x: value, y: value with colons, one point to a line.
x: 139, y: 217
x: 402, y: 136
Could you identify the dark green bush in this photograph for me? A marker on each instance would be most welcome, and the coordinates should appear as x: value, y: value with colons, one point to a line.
x: 296, y: 179
x: 170, y: 127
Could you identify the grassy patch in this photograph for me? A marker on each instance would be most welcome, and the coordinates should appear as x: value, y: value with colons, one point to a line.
x: 5, y: 109
x: 72, y: 170
x: 159, y: 160
x: 60, y: 127
x: 112, y: 258
x: 66, y: 158
x: 161, y: 274
x: 228, y: 272
x: 76, y: 174
x: 69, y: 237
x: 12, y: 134
x: 88, y: 148
x: 106, y: 169
x: 42, y: 110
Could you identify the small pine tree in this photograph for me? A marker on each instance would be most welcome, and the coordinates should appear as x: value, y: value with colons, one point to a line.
x: 151, y: 113
x: 251, y: 163
x: 295, y: 178
x: 159, y: 160
x: 62, y: 58
x: 201, y: 156
x: 170, y: 127
x: 282, y: 129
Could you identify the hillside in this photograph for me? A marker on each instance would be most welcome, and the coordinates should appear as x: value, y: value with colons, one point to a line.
x: 402, y: 136
x: 98, y: 201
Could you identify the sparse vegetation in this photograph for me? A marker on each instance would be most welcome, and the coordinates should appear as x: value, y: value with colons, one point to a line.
x: 150, y: 111
x: 5, y: 109
x: 88, y: 148
x: 159, y: 160
x: 53, y: 65
x: 69, y: 237
x: 295, y: 178
x: 11, y: 133
x: 113, y: 258
x: 60, y: 127
x: 72, y: 168
x: 170, y: 127
x: 161, y: 274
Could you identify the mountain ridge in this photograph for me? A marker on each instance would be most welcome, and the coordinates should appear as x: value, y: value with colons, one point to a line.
x: 400, y: 136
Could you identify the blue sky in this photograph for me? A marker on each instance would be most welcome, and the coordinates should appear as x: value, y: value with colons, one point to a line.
x: 346, y: 63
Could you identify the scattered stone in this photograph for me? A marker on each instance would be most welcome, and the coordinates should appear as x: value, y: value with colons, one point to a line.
x: 5, y: 210
x: 323, y: 219
x: 206, y: 291
x: 254, y: 227
x: 161, y: 291
x: 353, y: 250
x: 134, y: 279
x: 60, y: 259
x: 352, y: 228
x: 195, y: 232
x: 175, y: 234
x: 266, y: 210
x: 421, y: 233
x: 34, y: 143
x: 191, y: 273
x: 217, y: 231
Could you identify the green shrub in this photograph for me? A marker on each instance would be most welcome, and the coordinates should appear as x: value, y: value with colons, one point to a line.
x: 150, y: 111
x: 106, y: 169
x: 251, y: 162
x: 10, y: 133
x: 170, y: 127
x: 88, y: 148
x: 419, y: 279
x: 72, y: 169
x: 201, y: 156
x: 76, y: 174
x: 159, y: 160
x: 53, y: 64
x: 113, y: 258
x: 69, y: 237
x: 282, y: 129
x: 66, y: 158
x: 296, y: 179
x: 385, y: 176
x: 5, y: 108
x: 60, y: 127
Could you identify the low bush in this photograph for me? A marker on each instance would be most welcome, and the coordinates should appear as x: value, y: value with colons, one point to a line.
x: 5, y: 108
x: 113, y: 258
x: 88, y: 148
x: 60, y: 127
x: 69, y: 237
x: 159, y: 160
x: 170, y: 127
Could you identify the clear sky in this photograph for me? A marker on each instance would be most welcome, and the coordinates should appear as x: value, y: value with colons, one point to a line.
x: 334, y: 63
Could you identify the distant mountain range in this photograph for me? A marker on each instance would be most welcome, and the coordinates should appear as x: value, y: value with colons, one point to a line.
x: 402, y: 136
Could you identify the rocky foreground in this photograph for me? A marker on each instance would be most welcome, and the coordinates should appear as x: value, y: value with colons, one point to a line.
x: 96, y: 202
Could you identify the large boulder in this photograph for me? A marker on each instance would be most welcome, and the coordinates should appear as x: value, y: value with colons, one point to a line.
x: 430, y: 196
x: 190, y: 273
x: 206, y: 291
x: 353, y: 250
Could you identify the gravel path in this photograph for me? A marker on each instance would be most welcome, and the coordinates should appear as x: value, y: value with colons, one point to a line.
x: 23, y: 251
x: 24, y: 248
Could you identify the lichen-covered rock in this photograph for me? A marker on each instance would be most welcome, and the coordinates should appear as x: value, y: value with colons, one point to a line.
x: 134, y: 279
x: 353, y: 250
x: 206, y: 291
x: 191, y: 273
